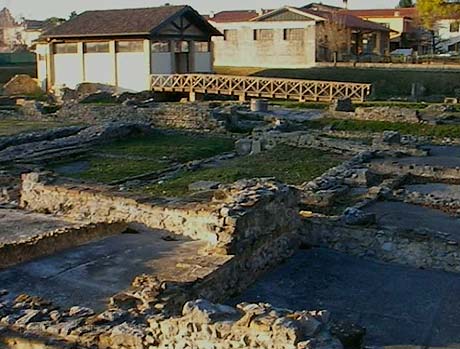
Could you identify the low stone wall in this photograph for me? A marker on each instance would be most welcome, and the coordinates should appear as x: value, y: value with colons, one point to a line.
x: 426, y: 172
x: 43, y: 193
x: 201, y: 325
x: 54, y: 241
x: 238, y: 217
x: 188, y: 116
x: 392, y: 114
x: 420, y: 249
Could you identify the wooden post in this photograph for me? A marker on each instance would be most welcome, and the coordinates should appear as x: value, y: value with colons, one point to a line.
x: 113, y: 54
x: 148, y: 61
x: 81, y: 54
x: 50, y: 67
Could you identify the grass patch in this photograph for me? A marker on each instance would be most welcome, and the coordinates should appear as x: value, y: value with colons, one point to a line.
x: 301, y: 105
x: 385, y: 82
x: 9, y: 127
x: 137, y: 156
x: 287, y: 164
x: 380, y: 126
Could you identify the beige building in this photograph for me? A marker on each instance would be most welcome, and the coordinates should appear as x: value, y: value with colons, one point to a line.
x: 406, y: 32
x: 124, y: 47
x: 294, y: 37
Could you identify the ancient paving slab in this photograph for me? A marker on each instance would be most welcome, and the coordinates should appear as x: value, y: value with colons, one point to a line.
x: 442, y: 156
x: 437, y: 190
x: 410, y: 216
x: 18, y: 225
x: 88, y: 275
x: 399, y: 306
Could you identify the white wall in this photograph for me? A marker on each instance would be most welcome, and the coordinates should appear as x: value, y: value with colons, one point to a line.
x: 99, y: 68
x: 42, y: 53
x: 162, y: 63
x: 132, y: 71
x: 443, y: 28
x: 276, y: 53
x: 203, y: 62
x: 67, y: 70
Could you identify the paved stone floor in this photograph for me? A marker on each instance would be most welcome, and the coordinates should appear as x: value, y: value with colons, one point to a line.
x: 89, y: 274
x: 399, y: 306
x: 17, y: 225
x: 409, y: 216
x: 438, y: 190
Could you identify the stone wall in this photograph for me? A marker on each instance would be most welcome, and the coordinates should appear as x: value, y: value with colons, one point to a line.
x: 54, y: 241
x: 392, y: 114
x: 420, y: 249
x: 201, y: 325
x: 188, y: 116
x: 426, y: 172
x: 239, y: 216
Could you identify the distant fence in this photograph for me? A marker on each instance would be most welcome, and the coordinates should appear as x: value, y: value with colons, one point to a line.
x: 17, y: 58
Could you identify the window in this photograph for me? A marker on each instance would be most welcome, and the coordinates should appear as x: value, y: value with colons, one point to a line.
x: 230, y: 34
x: 182, y: 47
x: 202, y: 46
x: 263, y: 34
x: 65, y: 48
x: 130, y: 46
x: 158, y: 47
x: 293, y: 34
x: 454, y: 27
x: 96, y: 47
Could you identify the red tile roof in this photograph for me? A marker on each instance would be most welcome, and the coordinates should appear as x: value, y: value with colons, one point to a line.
x: 347, y: 19
x: 234, y: 16
x: 409, y: 12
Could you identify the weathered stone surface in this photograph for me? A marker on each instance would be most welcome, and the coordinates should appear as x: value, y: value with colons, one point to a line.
x: 203, y: 185
x: 243, y: 147
x: 354, y: 216
x: 393, y: 114
x: 21, y: 85
x: 341, y: 105
x: 391, y: 137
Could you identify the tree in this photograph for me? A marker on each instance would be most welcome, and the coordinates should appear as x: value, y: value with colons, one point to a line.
x: 431, y: 11
x: 73, y: 14
x: 405, y: 3
x: 333, y: 37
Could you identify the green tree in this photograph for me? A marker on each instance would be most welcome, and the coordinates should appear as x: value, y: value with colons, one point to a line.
x: 430, y: 11
x: 73, y: 14
x: 405, y: 3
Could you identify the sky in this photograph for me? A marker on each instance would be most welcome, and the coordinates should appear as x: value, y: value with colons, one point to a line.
x: 41, y: 9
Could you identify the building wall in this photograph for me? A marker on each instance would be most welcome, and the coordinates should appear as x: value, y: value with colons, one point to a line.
x: 203, y: 62
x: 130, y: 71
x: 67, y: 70
x: 448, y: 38
x: 244, y: 50
x: 98, y: 68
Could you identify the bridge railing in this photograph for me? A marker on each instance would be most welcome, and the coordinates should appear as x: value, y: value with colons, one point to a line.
x: 248, y: 86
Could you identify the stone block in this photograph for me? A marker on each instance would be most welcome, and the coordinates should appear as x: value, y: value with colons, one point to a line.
x: 342, y: 105
x: 21, y: 84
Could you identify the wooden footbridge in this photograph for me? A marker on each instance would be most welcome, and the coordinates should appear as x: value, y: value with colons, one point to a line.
x: 259, y: 87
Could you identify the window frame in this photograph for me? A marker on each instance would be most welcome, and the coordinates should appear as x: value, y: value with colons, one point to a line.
x: 66, y: 51
x: 126, y: 46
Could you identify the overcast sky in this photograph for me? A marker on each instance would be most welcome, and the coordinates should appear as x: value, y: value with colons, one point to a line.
x: 41, y: 9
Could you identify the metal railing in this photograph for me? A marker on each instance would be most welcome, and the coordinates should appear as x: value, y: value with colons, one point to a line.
x: 248, y: 86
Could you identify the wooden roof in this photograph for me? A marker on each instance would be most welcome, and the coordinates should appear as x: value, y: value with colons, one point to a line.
x: 125, y: 22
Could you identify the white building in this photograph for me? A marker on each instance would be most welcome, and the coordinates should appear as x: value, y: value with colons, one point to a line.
x: 449, y: 34
x: 124, y: 47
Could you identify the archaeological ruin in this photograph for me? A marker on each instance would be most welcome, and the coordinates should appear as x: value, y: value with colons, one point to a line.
x: 128, y: 222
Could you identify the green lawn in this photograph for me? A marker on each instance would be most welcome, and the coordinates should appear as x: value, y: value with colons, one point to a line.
x: 386, y: 82
x: 10, y: 127
x: 380, y: 126
x: 122, y: 159
x: 287, y: 164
